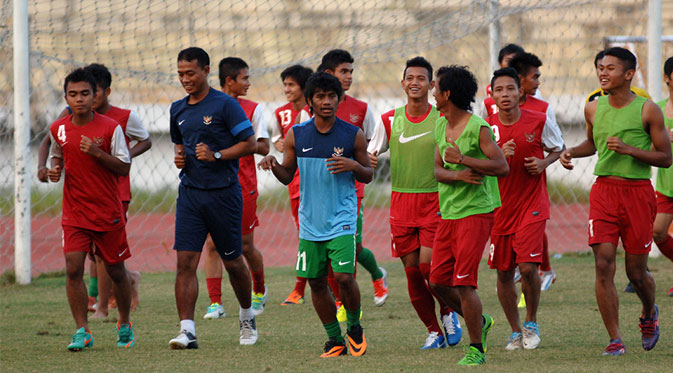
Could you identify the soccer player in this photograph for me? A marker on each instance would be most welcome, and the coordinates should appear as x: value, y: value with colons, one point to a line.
x: 234, y: 77
x: 414, y: 207
x: 519, y: 224
x: 664, y: 185
x: 210, y: 132
x: 339, y: 63
x: 330, y: 154
x: 628, y: 133
x: 133, y: 131
x: 466, y: 159
x: 294, y: 81
x: 528, y: 66
x: 92, y: 150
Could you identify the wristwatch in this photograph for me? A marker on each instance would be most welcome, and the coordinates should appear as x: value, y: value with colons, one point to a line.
x: 217, y: 156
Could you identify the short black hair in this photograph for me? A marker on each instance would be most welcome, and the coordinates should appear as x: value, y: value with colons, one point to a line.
x: 322, y: 81
x: 509, y: 49
x: 506, y: 71
x: 230, y: 67
x: 101, y: 74
x: 195, y: 53
x: 624, y: 55
x: 668, y: 66
x: 80, y: 75
x: 418, y: 62
x: 461, y: 82
x: 599, y: 56
x: 297, y: 72
x: 523, y: 62
x: 332, y: 59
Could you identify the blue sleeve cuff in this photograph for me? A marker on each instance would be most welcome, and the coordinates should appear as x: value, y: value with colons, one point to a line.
x: 241, y: 127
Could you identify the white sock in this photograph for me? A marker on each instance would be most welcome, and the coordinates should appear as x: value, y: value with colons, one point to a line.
x: 188, y: 325
x: 245, y: 314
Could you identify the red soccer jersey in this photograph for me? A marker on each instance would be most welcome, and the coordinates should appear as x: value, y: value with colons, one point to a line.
x: 524, y: 196
x: 532, y: 103
x: 90, y: 191
x: 247, y: 172
x: 121, y: 116
x: 286, y: 117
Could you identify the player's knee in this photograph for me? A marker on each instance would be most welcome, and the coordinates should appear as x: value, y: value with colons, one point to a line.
x: 528, y: 270
x: 659, y: 234
x: 74, y: 272
x: 318, y: 285
x: 505, y: 276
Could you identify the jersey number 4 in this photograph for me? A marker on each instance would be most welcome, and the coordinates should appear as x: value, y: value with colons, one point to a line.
x: 61, y: 133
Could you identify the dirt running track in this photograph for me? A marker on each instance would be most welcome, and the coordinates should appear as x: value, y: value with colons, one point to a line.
x: 151, y: 238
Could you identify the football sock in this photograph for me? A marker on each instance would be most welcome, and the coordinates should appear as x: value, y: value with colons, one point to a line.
x: 666, y: 247
x: 334, y: 331
x: 479, y: 346
x: 214, y: 286
x: 421, y: 299
x: 366, y: 259
x: 546, y: 265
x: 93, y: 287
x: 258, y: 281
x: 245, y: 314
x: 188, y: 325
x: 300, y: 285
x: 353, y: 318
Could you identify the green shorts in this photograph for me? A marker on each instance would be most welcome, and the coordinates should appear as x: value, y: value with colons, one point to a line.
x: 314, y: 256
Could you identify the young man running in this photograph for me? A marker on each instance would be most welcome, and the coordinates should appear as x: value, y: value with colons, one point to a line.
x: 210, y: 132
x: 330, y: 154
x: 235, y: 80
x: 92, y: 150
x: 414, y: 207
x: 466, y: 159
x: 519, y: 224
x: 339, y: 63
x: 294, y: 81
x: 629, y: 134
x: 664, y: 186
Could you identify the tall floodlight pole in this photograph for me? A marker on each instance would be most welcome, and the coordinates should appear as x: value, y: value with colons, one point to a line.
x: 654, y: 71
x: 21, y: 142
x: 493, y: 34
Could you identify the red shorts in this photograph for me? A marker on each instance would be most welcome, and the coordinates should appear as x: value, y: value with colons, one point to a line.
x: 249, y: 220
x: 622, y: 208
x: 523, y: 246
x: 111, y: 246
x: 406, y: 240
x: 294, y: 206
x: 457, y: 250
x: 664, y: 204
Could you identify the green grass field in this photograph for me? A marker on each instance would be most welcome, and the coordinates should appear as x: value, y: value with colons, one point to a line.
x: 36, y: 326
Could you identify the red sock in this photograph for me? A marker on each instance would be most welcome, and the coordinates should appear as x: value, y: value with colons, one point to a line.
x: 300, y: 285
x: 425, y: 272
x: 258, y: 281
x: 546, y: 265
x: 333, y: 284
x: 214, y: 289
x: 666, y: 247
x: 421, y: 299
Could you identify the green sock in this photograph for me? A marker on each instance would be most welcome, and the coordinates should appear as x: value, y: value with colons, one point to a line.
x: 93, y: 287
x: 367, y: 260
x: 353, y: 318
x: 334, y: 331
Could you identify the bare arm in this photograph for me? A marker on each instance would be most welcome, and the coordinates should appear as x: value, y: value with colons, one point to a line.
x: 140, y: 147
x: 108, y: 161
x: 360, y: 165
x: 43, y: 152
x: 262, y: 146
x: 659, y: 155
x: 236, y: 151
x: 587, y: 147
x: 283, y: 172
x: 536, y: 166
x: 180, y: 158
x: 447, y: 176
x: 494, y: 165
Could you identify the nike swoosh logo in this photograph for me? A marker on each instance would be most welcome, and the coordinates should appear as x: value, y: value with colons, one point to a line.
x: 648, y: 245
x: 305, y: 149
x: 229, y: 253
x: 122, y: 253
x: 462, y: 276
x: 404, y: 140
x: 180, y: 122
x: 343, y: 263
x: 251, y: 226
x: 534, y: 255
